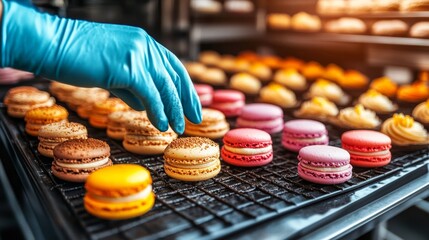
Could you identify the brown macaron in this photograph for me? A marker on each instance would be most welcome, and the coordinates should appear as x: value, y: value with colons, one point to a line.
x: 143, y: 138
x: 52, y: 134
x: 76, y: 159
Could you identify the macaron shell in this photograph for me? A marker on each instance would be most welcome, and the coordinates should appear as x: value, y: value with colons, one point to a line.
x: 146, y: 148
x: 365, y: 141
x: 270, y: 126
x: 118, y: 211
x: 324, y: 154
x: 247, y: 138
x: 261, y: 111
x: 82, y: 149
x: 193, y: 174
x: 370, y: 161
x: 223, y: 96
x: 324, y: 177
x: 304, y: 128
x: 246, y: 160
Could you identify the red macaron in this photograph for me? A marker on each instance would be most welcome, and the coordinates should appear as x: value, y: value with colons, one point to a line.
x: 367, y: 148
x: 247, y: 147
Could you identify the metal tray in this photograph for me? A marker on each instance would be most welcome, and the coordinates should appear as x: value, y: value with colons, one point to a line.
x: 235, y: 199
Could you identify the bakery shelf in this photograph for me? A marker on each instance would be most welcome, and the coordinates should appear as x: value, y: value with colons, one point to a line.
x: 296, y: 37
x: 383, y: 15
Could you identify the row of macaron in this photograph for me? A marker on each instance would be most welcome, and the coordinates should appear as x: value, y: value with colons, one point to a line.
x: 250, y: 71
x: 338, y: 7
x: 113, y: 114
x: 303, y: 21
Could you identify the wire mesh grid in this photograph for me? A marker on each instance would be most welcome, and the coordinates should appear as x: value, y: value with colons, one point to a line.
x: 236, y: 198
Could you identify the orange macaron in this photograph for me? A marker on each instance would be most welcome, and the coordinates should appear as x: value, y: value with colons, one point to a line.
x: 120, y: 191
x: 38, y: 117
x: 100, y: 111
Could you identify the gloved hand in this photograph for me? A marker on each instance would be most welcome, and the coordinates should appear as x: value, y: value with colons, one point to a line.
x: 122, y: 59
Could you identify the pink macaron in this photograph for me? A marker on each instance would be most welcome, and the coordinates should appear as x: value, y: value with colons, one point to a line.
x: 205, y: 93
x: 367, y: 148
x: 324, y: 164
x: 266, y: 117
x: 230, y: 102
x: 247, y: 147
x: 302, y: 132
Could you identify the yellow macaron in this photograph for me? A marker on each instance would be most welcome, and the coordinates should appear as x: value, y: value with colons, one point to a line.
x: 120, y: 191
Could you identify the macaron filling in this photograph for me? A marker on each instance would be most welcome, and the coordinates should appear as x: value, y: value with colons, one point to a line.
x: 326, y: 169
x: 143, y: 194
x: 83, y: 165
x: 249, y: 151
x: 377, y: 153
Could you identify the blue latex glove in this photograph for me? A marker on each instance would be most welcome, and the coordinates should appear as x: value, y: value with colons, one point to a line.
x: 122, y: 59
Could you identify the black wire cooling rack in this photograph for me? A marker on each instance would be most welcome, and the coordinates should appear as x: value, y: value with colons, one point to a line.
x: 235, y: 199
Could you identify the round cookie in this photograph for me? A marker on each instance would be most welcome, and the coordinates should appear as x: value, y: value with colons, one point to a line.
x: 100, y: 111
x: 266, y: 117
x: 367, y: 148
x: 192, y: 159
x: 324, y: 164
x: 19, y: 103
x: 230, y: 102
x: 52, y: 134
x: 301, y: 133
x: 120, y: 191
x: 212, y: 126
x: 37, y: 117
x: 247, y: 147
x: 75, y: 159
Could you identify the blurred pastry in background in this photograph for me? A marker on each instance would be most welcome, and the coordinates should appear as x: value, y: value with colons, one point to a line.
x: 357, y: 117
x: 386, y: 5
x: 229, y: 102
x: 271, y: 61
x: 412, y: 94
x: 404, y: 131
x: 293, y: 63
x: 331, y: 7
x: 346, y: 25
x: 354, y: 82
x: 333, y: 72
x: 226, y: 63
x: 390, y: 28
x: 291, y: 79
x: 214, y: 76
x: 261, y: 71
x: 85, y: 98
x: 206, y: 6
x: 359, y: 6
x: 278, y: 95
x: 245, y: 83
x: 15, y: 90
x: 209, y: 58
x: 312, y: 70
x: 385, y: 86
x: 278, y: 21
x: 61, y: 91
x: 205, y: 94
x: 240, y: 65
x: 249, y: 56
x: 195, y: 69
x: 421, y: 112
x: 420, y: 30
x: 99, y: 114
x: 239, y: 6
x: 414, y: 5
x: 318, y: 108
x: 377, y: 102
x: 303, y: 21
x: 329, y: 90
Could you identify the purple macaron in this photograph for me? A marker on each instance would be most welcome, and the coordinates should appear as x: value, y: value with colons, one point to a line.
x: 301, y: 133
x: 266, y: 117
x: 324, y: 164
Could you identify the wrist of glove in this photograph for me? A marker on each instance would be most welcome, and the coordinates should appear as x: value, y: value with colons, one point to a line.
x: 122, y: 59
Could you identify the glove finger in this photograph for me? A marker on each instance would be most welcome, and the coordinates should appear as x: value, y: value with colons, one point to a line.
x: 188, y: 95
x: 150, y: 97
x: 170, y: 98
x: 129, y: 98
